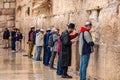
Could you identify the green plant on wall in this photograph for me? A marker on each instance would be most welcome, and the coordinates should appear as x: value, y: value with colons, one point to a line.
x: 28, y: 11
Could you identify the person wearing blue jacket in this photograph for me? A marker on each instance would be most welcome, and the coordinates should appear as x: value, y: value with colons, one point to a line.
x: 48, y: 52
x: 13, y: 39
x: 19, y: 38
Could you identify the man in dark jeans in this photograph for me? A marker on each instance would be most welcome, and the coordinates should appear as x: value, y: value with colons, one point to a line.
x: 6, y: 36
x: 48, y: 52
x: 45, y: 46
x: 65, y: 53
x: 13, y: 39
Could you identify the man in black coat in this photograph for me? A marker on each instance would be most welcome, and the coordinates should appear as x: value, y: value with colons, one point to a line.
x: 65, y: 53
x: 13, y: 40
x: 6, y: 36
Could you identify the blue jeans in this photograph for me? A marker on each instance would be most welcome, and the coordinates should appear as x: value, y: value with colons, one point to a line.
x: 39, y: 50
x: 13, y: 44
x: 83, y: 66
x: 59, y: 68
x: 47, y: 56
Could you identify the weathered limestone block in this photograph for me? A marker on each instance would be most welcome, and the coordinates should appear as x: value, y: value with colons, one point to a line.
x: 94, y: 17
x: 95, y: 4
x: 64, y: 6
x: 107, y: 14
x: 96, y: 67
x: 8, y: 11
x: 10, y: 0
x: 10, y: 23
x: 107, y: 19
x: 2, y: 18
x: 61, y: 21
x: 4, y: 0
x: 79, y: 18
x: 1, y: 3
x: 2, y: 24
x: 112, y: 65
x: 10, y: 17
x: 6, y: 5
x: 12, y: 5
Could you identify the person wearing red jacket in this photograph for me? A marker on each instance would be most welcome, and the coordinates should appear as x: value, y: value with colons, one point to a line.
x: 85, y: 48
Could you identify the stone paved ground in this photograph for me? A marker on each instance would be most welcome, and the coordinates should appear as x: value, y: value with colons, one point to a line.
x: 15, y: 66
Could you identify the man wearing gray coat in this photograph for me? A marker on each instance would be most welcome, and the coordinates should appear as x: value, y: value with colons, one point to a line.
x: 55, y: 35
x: 85, y: 48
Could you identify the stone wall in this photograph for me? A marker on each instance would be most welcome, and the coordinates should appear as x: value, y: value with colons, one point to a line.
x: 105, y: 16
x: 7, y: 15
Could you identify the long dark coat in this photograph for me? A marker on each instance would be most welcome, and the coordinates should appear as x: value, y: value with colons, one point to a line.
x: 65, y: 53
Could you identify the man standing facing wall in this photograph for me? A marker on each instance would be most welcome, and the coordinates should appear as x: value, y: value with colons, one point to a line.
x: 85, y: 48
x: 30, y: 41
x: 66, y: 50
x: 6, y: 36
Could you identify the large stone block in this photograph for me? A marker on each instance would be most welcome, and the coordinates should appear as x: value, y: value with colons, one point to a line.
x: 6, y: 5
x: 60, y: 21
x: 1, y: 3
x: 10, y: 23
x: 2, y: 24
x: 10, y: 0
x: 3, y: 18
x: 64, y: 6
x: 4, y: 0
x: 8, y: 11
x: 95, y: 4
x: 10, y: 17
x: 12, y: 5
x: 79, y: 18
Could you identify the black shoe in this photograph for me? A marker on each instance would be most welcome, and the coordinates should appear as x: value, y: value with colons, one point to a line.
x: 69, y: 76
x: 52, y: 68
x: 58, y: 74
x: 66, y: 76
x: 63, y: 76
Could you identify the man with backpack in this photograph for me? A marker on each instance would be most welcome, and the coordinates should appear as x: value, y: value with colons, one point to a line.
x: 53, y: 43
x: 85, y: 48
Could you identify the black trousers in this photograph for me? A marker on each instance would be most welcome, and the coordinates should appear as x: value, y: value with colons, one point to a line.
x: 64, y: 71
x: 45, y: 49
x: 52, y: 59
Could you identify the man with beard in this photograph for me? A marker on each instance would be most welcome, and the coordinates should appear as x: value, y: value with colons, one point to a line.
x: 65, y: 52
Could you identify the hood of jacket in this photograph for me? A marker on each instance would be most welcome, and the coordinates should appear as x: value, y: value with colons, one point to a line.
x: 83, y: 29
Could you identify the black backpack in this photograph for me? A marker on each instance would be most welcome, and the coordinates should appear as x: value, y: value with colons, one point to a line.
x: 50, y: 41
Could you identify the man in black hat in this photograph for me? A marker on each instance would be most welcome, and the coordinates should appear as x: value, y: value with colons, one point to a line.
x: 65, y: 53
